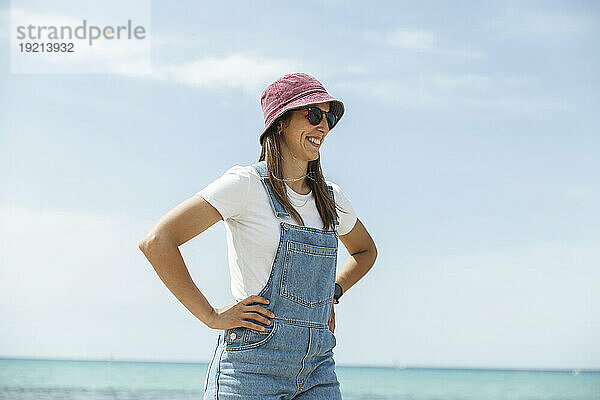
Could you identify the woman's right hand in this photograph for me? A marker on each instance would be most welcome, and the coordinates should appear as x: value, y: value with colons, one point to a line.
x: 238, y: 314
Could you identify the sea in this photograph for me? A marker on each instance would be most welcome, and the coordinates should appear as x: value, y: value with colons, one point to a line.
x: 31, y: 379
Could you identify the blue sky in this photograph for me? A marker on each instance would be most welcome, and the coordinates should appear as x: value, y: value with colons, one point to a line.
x: 469, y: 149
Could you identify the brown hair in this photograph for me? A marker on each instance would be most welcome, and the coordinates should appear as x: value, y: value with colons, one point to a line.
x: 271, y: 152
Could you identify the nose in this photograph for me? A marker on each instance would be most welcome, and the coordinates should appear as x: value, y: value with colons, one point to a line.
x: 323, y: 125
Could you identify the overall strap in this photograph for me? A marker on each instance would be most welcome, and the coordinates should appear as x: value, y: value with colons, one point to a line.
x: 278, y: 209
x: 261, y: 169
x: 335, y: 220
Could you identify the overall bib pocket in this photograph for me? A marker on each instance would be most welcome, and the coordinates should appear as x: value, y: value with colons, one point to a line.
x: 310, y: 287
x: 242, y: 338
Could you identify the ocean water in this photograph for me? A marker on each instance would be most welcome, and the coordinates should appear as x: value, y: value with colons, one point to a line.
x: 100, y: 380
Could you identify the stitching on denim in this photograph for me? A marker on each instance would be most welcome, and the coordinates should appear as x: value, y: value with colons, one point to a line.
x: 298, y: 322
x: 269, y: 196
x: 306, y: 303
x: 283, y: 291
x: 299, y: 247
x: 303, y: 358
x: 218, y: 373
x: 279, y: 211
x: 260, y: 168
x: 264, y: 289
x: 335, y: 219
x: 238, y: 330
x: 282, y: 280
x: 253, y: 345
x: 313, y: 254
x: 265, y: 181
x: 334, y: 339
x: 210, y: 364
x: 311, y: 229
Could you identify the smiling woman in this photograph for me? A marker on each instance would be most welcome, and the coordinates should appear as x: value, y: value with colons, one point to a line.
x: 283, y: 225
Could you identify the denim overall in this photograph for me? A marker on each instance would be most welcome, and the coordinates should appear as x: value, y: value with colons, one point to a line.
x: 293, y: 357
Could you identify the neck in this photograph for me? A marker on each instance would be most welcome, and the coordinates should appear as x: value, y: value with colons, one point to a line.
x: 294, y: 173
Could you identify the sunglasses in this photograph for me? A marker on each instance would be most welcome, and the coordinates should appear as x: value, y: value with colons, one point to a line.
x: 315, y: 114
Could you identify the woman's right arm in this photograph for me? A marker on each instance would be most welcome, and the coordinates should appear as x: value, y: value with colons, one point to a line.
x: 161, y: 244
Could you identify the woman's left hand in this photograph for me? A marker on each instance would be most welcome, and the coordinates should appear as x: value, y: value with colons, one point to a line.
x: 331, y: 321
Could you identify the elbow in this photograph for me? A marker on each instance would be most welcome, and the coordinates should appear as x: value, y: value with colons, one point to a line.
x: 148, y: 242
x: 143, y: 245
x: 373, y: 251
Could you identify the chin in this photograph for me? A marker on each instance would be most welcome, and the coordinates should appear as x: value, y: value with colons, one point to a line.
x: 313, y: 158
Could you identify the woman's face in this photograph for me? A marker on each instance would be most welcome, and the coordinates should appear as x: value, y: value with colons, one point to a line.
x: 299, y: 132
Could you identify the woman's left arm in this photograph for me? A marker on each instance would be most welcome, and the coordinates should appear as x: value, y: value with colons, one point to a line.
x: 362, y: 252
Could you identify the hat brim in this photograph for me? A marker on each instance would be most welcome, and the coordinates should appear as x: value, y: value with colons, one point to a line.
x: 311, y: 99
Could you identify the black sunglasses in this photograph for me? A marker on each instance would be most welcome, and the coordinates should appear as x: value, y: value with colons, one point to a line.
x: 315, y: 114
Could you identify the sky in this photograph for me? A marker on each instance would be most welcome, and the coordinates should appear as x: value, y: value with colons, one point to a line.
x: 469, y: 150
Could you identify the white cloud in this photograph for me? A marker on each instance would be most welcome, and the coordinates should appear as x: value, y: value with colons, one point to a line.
x: 419, y: 41
x: 236, y: 71
x: 244, y: 72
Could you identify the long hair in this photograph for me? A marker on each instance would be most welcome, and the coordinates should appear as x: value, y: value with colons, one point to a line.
x: 271, y: 152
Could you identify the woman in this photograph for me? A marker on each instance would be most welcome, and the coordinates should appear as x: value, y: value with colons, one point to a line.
x: 282, y: 230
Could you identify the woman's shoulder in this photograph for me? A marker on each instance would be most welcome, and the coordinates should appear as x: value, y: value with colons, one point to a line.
x: 348, y: 215
x: 240, y: 170
x: 242, y: 173
x: 245, y: 170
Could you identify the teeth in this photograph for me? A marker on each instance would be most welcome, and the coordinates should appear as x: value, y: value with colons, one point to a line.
x: 315, y: 141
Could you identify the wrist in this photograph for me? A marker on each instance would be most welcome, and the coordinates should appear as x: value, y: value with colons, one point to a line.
x: 211, y: 318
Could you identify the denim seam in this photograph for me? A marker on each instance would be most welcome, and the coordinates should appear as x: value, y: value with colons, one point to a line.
x: 283, y: 292
x: 271, y: 199
x: 217, y: 374
x: 303, y: 358
x: 309, y: 228
x: 336, y: 222
x: 291, y: 321
x: 303, y: 302
x: 210, y: 364
x: 264, y: 178
x: 308, y: 249
x: 283, y: 287
x: 312, y: 253
x: 261, y: 293
x: 252, y: 345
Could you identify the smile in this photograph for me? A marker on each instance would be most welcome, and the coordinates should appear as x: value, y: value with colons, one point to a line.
x: 314, y: 141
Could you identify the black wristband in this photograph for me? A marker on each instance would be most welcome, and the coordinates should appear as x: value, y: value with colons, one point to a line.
x: 338, y: 293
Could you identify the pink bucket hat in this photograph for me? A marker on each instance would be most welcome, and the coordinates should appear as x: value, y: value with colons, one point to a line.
x: 294, y: 91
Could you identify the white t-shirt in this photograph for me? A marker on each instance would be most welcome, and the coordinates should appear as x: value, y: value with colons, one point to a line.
x: 252, y: 227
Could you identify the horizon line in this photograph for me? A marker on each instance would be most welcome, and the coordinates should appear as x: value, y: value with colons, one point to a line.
x: 407, y: 366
